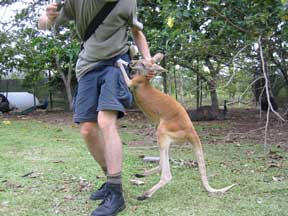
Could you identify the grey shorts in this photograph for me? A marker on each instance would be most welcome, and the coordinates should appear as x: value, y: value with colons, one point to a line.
x: 101, y: 89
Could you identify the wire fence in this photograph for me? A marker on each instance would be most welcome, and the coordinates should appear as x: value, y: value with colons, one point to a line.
x: 56, y: 96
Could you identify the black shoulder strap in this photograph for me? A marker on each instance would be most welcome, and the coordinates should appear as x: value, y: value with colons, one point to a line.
x: 98, y: 19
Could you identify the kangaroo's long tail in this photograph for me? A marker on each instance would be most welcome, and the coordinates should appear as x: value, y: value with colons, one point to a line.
x: 197, y: 146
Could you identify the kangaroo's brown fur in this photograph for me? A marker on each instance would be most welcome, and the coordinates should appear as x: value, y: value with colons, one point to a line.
x: 174, y: 124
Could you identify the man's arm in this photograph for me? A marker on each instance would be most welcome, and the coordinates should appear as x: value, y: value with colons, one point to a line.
x: 141, y: 42
x: 48, y: 17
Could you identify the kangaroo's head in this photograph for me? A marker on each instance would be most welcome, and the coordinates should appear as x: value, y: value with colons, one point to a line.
x: 141, y: 67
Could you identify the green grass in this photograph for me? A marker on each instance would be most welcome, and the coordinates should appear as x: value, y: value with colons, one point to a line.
x: 59, y: 159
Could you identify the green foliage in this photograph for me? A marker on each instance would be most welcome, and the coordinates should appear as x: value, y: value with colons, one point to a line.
x: 213, y: 34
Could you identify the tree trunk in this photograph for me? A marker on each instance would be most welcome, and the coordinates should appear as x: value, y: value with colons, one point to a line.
x: 281, y: 67
x: 169, y: 80
x: 181, y: 88
x: 66, y: 80
x: 213, y: 95
x: 67, y: 84
x: 50, y: 91
x: 267, y: 85
x: 197, y: 91
x: 175, y: 85
x: 212, y: 85
x: 164, y: 75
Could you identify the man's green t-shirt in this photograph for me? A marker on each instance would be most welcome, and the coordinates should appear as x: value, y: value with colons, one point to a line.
x: 110, y: 39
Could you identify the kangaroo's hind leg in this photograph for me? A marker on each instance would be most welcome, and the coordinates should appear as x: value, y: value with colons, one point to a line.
x: 164, y: 143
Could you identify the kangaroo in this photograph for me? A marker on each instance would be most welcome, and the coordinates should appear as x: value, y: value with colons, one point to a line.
x: 174, y: 124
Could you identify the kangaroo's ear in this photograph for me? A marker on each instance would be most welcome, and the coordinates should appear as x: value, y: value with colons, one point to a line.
x: 158, y: 57
x: 158, y: 69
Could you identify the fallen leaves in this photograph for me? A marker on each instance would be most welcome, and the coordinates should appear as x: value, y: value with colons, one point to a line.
x: 13, y: 185
x: 64, y: 188
x: 6, y: 122
x: 275, y: 160
x: 278, y: 178
x: 137, y: 182
x: 177, y: 162
x: 186, y: 163
x: 274, y: 155
x: 75, y: 184
x: 84, y: 185
x: 58, y: 161
x: 250, y: 152
x: 68, y: 197
x: 31, y: 175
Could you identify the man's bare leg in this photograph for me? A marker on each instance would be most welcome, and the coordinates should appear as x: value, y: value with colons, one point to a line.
x: 107, y: 121
x: 95, y: 142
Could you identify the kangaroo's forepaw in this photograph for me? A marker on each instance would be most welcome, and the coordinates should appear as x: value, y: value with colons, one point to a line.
x: 141, y: 198
x: 139, y: 175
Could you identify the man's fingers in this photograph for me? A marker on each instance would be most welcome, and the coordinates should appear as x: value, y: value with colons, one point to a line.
x: 51, y: 11
x: 150, y: 75
x: 51, y: 7
x: 53, y: 14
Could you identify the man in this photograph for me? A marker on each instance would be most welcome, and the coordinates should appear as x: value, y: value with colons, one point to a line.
x: 102, y: 93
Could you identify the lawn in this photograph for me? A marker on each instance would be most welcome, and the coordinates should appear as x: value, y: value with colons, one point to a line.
x: 45, y: 170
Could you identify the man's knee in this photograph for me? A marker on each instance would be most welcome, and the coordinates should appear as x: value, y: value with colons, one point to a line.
x: 107, y: 119
x: 88, y: 128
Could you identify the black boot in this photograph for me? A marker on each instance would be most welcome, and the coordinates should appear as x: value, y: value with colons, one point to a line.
x: 113, y: 203
x: 99, y: 194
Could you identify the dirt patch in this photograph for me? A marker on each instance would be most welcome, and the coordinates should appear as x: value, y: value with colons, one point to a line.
x: 50, y: 117
x: 248, y: 125
x: 241, y: 126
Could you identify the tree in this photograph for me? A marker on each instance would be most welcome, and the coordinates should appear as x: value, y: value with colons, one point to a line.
x: 212, y: 33
x: 38, y: 52
x: 64, y: 56
x: 213, y: 39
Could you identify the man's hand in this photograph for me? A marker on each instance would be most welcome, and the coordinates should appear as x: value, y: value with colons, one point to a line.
x: 148, y: 63
x: 51, y: 12
x: 150, y: 75
x: 48, y: 18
